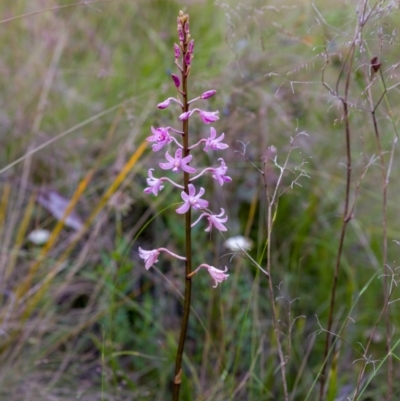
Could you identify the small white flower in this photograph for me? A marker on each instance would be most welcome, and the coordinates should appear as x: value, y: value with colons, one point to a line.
x: 238, y: 243
x: 39, y: 236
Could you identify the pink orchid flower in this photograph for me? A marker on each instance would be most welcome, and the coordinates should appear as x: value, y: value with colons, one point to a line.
x: 214, y: 220
x: 192, y: 200
x: 166, y: 103
x: 219, y: 173
x: 217, y: 275
x: 178, y: 163
x: 151, y: 257
x: 154, y: 184
x: 213, y: 143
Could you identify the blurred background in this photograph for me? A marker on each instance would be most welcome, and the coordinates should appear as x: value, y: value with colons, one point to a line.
x: 81, y: 318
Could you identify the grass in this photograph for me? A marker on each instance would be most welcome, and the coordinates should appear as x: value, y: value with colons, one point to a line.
x: 80, y: 317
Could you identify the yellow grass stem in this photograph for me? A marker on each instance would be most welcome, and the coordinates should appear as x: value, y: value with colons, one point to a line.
x: 21, y: 235
x: 3, y: 205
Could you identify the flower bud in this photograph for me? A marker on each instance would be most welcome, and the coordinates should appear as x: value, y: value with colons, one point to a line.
x: 191, y: 46
x: 208, y: 94
x: 181, y: 36
x: 164, y: 104
x: 184, y: 116
x: 182, y: 18
x: 176, y: 80
x: 188, y: 58
x: 177, y: 51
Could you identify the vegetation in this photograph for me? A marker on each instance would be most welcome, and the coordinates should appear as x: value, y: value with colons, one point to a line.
x: 308, y: 94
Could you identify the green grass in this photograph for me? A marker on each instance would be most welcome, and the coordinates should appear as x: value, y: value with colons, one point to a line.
x: 104, y: 328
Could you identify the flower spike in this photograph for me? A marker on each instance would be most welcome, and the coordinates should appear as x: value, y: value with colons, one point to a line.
x: 179, y: 160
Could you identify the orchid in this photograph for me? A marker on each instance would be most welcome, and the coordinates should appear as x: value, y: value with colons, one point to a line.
x: 219, y: 173
x: 217, y: 275
x: 165, y: 103
x: 178, y: 163
x: 207, y: 116
x: 154, y: 184
x: 150, y: 257
x: 213, y: 143
x: 192, y: 200
x: 161, y: 137
x: 214, y: 220
x: 184, y: 146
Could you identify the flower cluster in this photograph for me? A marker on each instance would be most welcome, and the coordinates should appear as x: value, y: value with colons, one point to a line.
x: 180, y: 161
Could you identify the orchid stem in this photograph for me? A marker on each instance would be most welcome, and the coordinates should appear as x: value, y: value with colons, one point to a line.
x: 188, y: 235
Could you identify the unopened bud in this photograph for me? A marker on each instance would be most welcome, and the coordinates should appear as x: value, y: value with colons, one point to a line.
x: 164, y: 104
x: 184, y: 116
x: 177, y: 51
x: 188, y: 58
x: 208, y: 94
x: 176, y: 80
x: 191, y: 46
x: 182, y: 17
x: 180, y: 33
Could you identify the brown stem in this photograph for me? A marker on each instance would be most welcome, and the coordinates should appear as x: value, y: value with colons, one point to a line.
x: 188, y: 236
x: 346, y: 219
